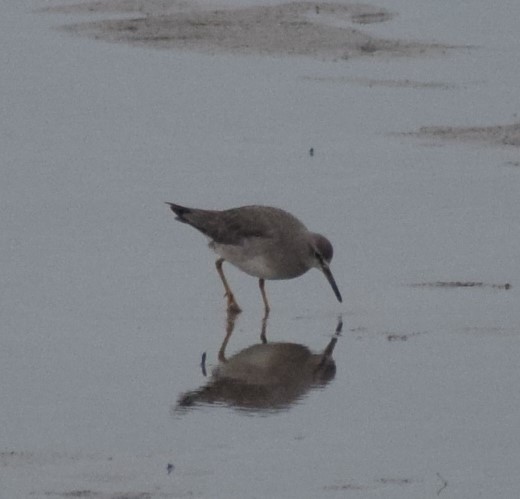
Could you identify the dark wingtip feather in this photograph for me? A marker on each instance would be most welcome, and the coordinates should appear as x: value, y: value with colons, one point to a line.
x: 179, y: 210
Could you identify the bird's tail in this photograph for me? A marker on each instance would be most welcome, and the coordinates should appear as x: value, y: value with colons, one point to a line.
x: 180, y: 211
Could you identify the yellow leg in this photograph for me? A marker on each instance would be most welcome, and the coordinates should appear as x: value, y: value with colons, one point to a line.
x: 230, y: 326
x: 267, y: 308
x: 232, y: 304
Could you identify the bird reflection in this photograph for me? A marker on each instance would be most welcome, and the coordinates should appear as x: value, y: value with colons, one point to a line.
x: 268, y: 376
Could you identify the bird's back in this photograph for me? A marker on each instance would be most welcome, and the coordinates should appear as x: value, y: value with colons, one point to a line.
x: 234, y: 225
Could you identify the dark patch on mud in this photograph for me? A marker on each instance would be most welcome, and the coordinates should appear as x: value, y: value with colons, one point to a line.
x: 89, y: 494
x: 400, y: 337
x: 395, y: 481
x: 80, y: 493
x: 461, y: 284
x: 323, y: 30
x: 372, y: 82
x: 371, y: 17
x: 345, y: 486
x: 508, y: 135
x: 405, y: 83
x: 380, y: 482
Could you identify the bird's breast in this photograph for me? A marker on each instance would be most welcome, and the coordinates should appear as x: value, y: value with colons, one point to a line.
x: 255, y: 259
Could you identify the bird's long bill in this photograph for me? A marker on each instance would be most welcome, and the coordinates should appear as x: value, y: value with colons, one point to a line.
x: 328, y: 274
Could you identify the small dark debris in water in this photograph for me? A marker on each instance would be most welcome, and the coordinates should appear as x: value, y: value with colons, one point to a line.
x: 311, y: 151
x: 375, y: 483
x: 169, y: 468
x: 317, y: 9
x: 395, y: 481
x: 203, y: 365
x: 396, y: 337
x: 461, y: 284
x: 402, y: 337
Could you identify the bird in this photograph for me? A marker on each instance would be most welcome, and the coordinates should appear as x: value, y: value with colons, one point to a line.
x: 262, y: 241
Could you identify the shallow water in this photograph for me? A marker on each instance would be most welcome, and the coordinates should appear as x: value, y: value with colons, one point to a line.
x: 108, y: 303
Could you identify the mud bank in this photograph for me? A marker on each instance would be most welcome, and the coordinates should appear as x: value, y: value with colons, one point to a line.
x: 322, y: 30
x: 508, y: 135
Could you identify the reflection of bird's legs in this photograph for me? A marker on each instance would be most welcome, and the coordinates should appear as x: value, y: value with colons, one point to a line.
x: 261, y: 283
x: 231, y: 303
x: 230, y: 325
x: 263, y: 336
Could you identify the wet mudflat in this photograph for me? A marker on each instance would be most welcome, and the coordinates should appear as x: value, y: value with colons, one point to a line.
x: 325, y: 30
x: 122, y: 375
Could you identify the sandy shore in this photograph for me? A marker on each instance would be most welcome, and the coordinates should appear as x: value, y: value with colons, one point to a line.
x: 323, y: 30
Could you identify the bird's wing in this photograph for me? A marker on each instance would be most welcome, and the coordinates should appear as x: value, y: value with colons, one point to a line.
x: 228, y: 226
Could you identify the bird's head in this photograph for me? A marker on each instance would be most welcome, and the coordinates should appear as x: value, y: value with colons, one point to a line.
x: 322, y: 253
